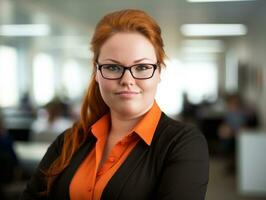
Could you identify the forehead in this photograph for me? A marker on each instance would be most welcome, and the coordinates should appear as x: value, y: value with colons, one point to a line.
x: 127, y: 47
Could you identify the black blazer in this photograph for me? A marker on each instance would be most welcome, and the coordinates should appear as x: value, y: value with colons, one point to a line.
x: 175, y: 166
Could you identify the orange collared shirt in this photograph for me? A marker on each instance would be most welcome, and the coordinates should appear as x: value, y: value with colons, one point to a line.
x: 89, y: 180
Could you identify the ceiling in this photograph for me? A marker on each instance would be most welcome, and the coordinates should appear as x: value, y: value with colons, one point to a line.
x: 75, y: 19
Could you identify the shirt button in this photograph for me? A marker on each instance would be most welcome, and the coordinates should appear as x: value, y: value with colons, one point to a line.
x: 123, y: 143
x: 99, y: 173
x: 111, y: 159
x: 90, y: 189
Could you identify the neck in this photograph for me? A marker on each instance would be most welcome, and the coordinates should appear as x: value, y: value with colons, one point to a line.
x: 121, y: 126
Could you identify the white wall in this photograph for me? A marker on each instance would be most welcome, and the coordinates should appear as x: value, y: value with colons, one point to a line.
x: 251, y: 50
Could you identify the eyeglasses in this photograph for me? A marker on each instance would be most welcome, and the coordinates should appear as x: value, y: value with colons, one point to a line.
x: 138, y: 71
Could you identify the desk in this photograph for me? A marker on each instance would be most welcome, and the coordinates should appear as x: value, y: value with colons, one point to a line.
x: 251, y: 163
x: 30, y: 153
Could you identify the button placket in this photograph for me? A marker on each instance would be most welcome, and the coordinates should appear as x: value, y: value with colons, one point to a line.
x: 111, y: 159
x: 123, y: 142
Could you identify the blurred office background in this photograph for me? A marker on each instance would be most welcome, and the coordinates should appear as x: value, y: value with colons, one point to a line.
x: 215, y: 78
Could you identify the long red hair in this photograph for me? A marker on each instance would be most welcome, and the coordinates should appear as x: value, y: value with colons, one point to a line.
x: 93, y: 106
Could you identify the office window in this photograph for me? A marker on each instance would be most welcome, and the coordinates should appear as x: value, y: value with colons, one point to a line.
x: 73, y: 79
x: 169, y: 93
x: 43, y: 78
x: 8, y: 77
x: 200, y: 81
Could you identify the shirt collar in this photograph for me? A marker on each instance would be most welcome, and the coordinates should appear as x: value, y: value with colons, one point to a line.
x: 147, y: 125
x: 145, y: 128
x: 102, y: 126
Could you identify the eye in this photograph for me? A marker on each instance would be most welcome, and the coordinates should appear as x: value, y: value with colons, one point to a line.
x: 143, y: 67
x: 112, y: 67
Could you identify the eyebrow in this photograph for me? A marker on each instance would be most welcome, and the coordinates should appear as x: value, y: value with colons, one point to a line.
x: 136, y: 61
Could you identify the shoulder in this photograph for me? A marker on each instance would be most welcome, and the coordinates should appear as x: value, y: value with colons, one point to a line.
x: 53, y: 151
x: 182, y: 159
x: 179, y: 138
x: 58, y: 142
x: 176, y: 130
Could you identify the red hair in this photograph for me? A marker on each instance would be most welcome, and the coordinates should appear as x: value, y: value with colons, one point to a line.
x: 93, y: 106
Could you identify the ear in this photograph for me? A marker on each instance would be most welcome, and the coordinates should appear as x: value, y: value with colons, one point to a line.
x: 96, y: 77
x: 159, y: 77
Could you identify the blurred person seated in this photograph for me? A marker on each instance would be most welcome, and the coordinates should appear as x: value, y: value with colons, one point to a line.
x: 51, y: 120
x: 26, y: 104
x: 8, y: 158
x: 189, y: 110
x: 237, y: 117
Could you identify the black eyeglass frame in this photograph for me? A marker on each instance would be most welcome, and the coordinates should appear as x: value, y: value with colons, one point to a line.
x: 99, y: 67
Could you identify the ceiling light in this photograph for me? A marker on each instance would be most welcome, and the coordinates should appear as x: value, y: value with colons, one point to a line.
x: 213, y: 29
x: 25, y: 30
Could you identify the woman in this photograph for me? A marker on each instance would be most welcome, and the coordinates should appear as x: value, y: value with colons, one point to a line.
x: 124, y: 147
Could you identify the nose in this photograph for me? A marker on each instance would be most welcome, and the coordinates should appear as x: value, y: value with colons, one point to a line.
x: 127, y: 78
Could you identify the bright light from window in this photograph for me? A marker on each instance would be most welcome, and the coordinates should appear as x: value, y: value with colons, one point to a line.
x: 8, y: 76
x: 43, y: 79
x: 200, y: 81
x: 169, y: 94
x: 73, y: 79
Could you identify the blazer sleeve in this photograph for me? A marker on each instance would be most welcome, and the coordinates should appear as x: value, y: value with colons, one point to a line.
x: 186, y: 168
x: 37, y: 182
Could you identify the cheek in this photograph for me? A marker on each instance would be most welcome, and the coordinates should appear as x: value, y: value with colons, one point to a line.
x: 106, y: 87
x: 150, y: 87
x: 105, y: 91
x: 151, y: 84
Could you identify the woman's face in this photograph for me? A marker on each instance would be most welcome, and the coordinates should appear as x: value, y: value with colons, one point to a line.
x: 128, y: 97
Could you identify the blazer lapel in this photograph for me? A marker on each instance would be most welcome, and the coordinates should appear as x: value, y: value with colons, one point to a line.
x: 116, y: 183
x: 119, y: 179
x: 63, y: 182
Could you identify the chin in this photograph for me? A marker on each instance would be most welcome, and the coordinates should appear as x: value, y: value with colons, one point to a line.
x: 128, y: 111
x: 132, y: 111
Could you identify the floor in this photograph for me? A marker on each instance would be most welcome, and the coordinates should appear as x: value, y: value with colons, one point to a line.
x: 223, y: 185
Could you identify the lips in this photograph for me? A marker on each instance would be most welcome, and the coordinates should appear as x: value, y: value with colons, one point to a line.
x: 127, y: 94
